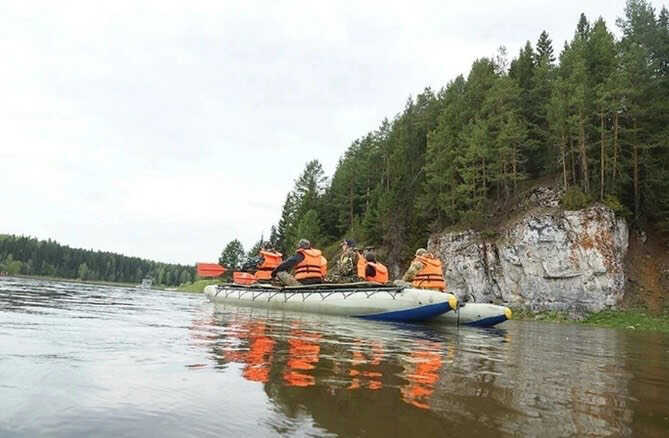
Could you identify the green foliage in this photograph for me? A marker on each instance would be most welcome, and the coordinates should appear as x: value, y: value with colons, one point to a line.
x: 630, y: 319
x: 255, y: 249
x: 83, y: 272
x: 11, y: 266
x: 309, y: 227
x: 545, y: 49
x: 185, y: 277
x: 233, y: 255
x: 614, y: 204
x: 306, y: 196
x: 29, y: 256
x: 489, y: 235
x: 598, y: 117
x: 197, y: 286
x: 575, y: 199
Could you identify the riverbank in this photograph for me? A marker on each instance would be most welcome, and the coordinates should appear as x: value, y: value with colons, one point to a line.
x: 631, y: 319
x: 196, y: 286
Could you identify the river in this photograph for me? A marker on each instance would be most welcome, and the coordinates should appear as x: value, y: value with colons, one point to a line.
x: 80, y: 360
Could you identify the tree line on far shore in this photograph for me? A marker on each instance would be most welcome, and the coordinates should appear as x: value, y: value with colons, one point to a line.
x: 30, y: 256
x: 591, y: 116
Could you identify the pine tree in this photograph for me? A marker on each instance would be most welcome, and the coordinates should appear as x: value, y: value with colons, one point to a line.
x: 601, y: 64
x: 255, y: 249
x: 285, y: 230
x: 232, y: 256
x: 308, y: 228
x: 545, y: 49
x: 583, y: 28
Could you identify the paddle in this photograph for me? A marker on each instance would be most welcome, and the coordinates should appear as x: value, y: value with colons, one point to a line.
x: 209, y: 270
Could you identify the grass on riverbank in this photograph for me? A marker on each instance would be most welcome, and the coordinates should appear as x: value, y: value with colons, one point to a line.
x: 527, y: 315
x: 638, y: 319
x: 629, y: 319
x: 197, y: 286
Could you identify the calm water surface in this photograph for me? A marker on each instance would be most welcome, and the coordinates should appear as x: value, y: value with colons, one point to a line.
x: 87, y: 360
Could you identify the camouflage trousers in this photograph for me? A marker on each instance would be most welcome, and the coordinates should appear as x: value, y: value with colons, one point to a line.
x: 286, y: 279
x: 336, y: 277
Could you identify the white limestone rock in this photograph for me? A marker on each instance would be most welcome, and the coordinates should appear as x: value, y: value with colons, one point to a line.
x: 548, y: 259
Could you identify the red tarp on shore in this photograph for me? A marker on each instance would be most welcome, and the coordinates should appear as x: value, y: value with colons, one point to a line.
x: 209, y: 269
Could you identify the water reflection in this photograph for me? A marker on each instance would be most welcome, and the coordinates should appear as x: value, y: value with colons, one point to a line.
x: 395, y: 380
x: 304, y: 357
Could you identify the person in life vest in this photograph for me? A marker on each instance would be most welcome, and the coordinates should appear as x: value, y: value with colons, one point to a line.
x: 270, y: 259
x: 425, y: 272
x: 307, y: 264
x: 370, y: 270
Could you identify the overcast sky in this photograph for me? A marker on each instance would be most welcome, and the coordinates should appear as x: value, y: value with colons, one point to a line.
x: 165, y: 129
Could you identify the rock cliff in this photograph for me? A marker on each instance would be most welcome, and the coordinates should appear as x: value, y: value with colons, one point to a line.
x: 546, y: 259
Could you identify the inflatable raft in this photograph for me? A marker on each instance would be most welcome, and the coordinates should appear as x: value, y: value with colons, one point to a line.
x: 476, y: 315
x: 361, y: 300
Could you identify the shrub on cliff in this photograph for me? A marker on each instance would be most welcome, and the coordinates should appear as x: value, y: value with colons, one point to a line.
x: 618, y: 208
x: 575, y: 199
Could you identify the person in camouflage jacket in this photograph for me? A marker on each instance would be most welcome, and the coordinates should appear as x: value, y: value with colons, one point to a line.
x: 345, y: 269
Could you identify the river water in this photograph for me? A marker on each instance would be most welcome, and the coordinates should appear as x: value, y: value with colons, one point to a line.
x: 86, y: 360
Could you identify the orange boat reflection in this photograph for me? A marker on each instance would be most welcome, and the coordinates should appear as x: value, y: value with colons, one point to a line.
x: 302, y: 357
x: 422, y: 375
x: 370, y: 379
x: 259, y: 358
x: 272, y: 355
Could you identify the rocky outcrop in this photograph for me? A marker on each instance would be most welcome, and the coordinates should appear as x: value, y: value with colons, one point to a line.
x: 547, y: 259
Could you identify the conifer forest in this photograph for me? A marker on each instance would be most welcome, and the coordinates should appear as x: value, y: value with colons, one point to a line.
x: 590, y: 115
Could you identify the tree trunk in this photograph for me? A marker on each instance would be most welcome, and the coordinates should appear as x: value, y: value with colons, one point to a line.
x: 387, y: 159
x: 485, y: 188
x: 584, y: 155
x: 505, y: 182
x: 453, y: 185
x: 563, y: 148
x: 483, y: 169
x: 573, y: 161
x: 350, y: 204
x: 615, y: 149
x: 514, y: 165
x: 635, y: 157
x: 601, y: 156
x: 474, y: 180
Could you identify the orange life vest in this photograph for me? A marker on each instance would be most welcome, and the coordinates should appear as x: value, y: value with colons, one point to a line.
x: 270, y: 261
x: 431, y: 276
x: 362, y: 264
x: 381, y: 275
x: 243, y: 278
x: 312, y: 265
x: 324, y: 266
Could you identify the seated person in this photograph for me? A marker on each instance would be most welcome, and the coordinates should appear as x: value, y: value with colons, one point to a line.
x: 307, y: 264
x: 345, y: 265
x: 425, y: 272
x: 370, y: 270
x: 269, y: 259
